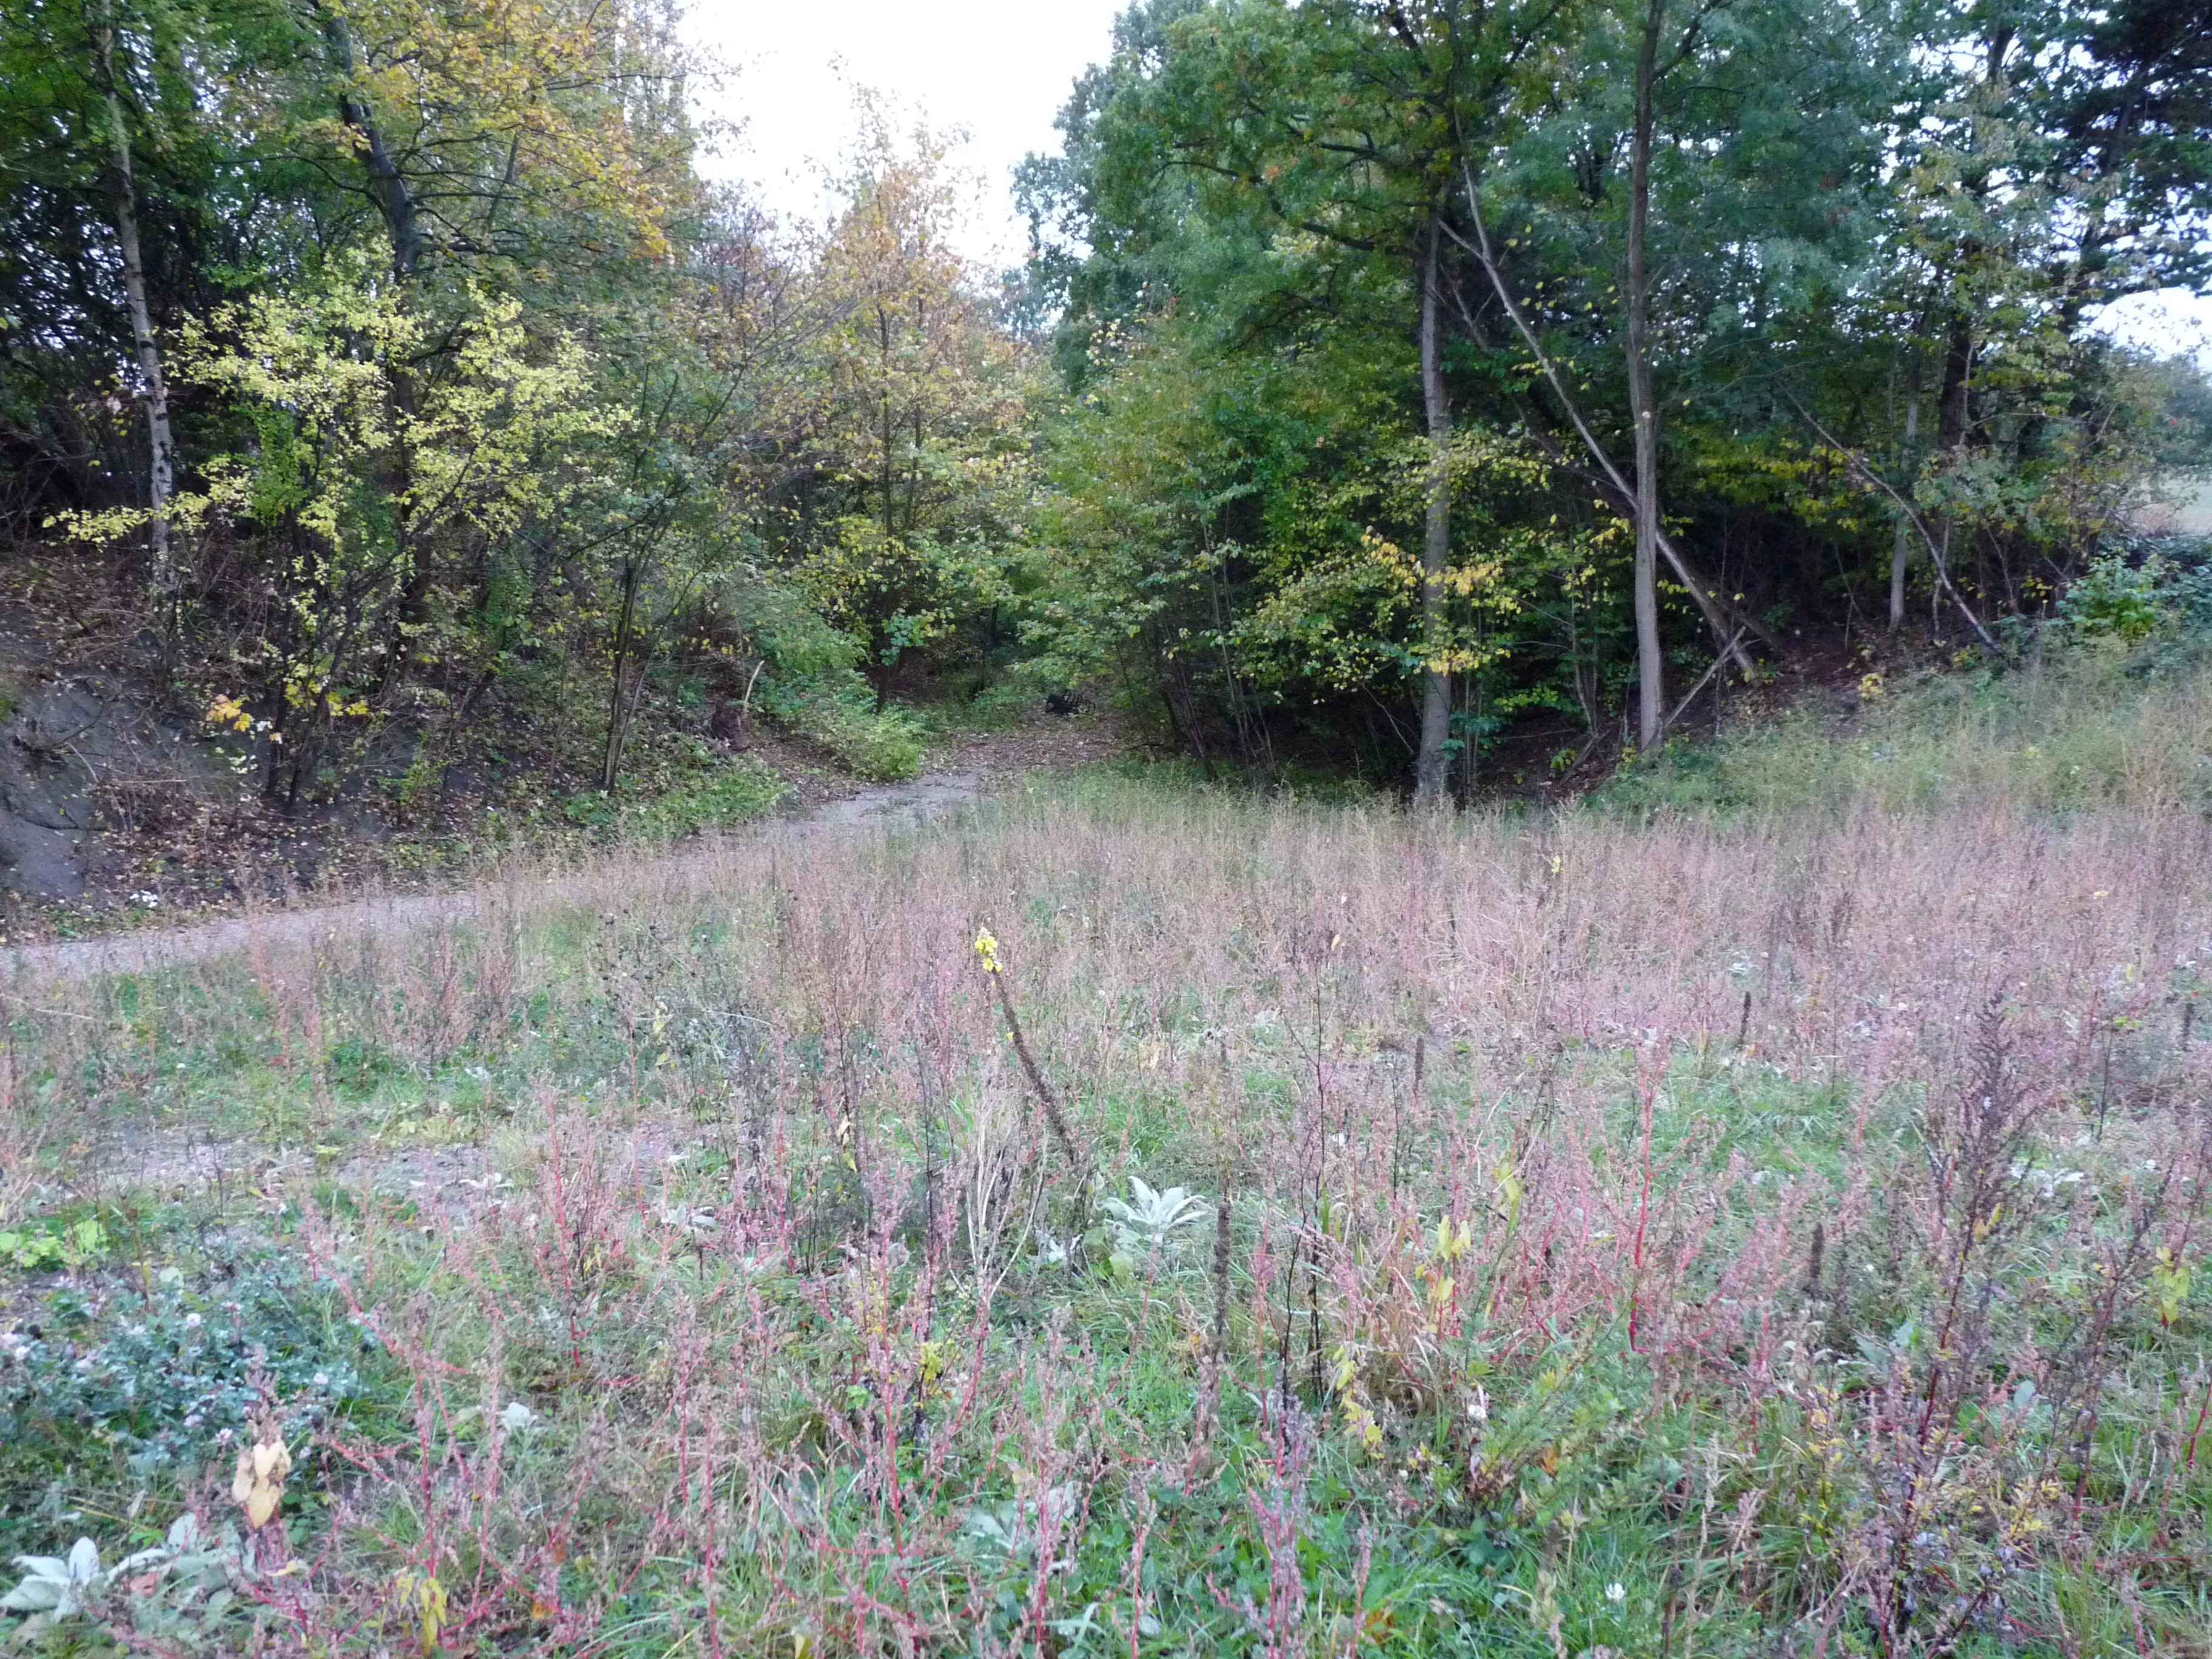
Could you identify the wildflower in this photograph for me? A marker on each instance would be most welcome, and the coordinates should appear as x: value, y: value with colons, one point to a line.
x: 986, y: 950
x: 1616, y: 1592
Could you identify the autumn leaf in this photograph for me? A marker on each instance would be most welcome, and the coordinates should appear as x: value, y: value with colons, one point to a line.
x: 257, y: 1485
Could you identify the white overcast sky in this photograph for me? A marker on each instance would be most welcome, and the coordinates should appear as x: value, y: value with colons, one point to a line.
x: 1000, y: 69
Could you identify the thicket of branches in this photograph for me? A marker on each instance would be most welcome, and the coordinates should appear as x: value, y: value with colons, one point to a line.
x: 1413, y: 368
x: 1439, y: 361
x: 398, y: 362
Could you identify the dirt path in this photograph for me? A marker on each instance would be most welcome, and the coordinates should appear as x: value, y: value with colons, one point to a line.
x: 25, y: 967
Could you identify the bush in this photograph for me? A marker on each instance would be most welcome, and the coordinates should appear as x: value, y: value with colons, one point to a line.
x: 882, y: 743
x: 1002, y: 707
x: 814, y: 686
x: 112, y: 1388
x: 723, y: 796
x: 2117, y: 598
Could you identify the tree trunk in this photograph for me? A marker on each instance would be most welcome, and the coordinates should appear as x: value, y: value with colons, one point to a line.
x: 1650, y: 666
x: 1954, y: 405
x: 620, y: 703
x: 162, y: 470
x: 387, y: 188
x: 1900, y: 550
x: 1429, y: 779
x: 1729, y: 623
x: 884, y: 340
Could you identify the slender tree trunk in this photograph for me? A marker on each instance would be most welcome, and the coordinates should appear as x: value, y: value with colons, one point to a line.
x: 1954, y: 413
x: 1429, y: 779
x: 1729, y: 623
x: 619, y: 702
x: 1650, y: 666
x: 1900, y: 550
x: 884, y: 338
x: 161, y: 477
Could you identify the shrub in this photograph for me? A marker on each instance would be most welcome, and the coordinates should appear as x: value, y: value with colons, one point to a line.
x: 881, y: 744
x: 119, y: 1388
x: 2117, y: 596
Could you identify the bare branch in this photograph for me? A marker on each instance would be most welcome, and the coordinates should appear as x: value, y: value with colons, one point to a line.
x: 1727, y: 623
x: 1860, y: 465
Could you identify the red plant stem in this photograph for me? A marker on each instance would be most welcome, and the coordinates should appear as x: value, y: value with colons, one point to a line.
x: 2189, y: 1462
x: 1643, y: 1217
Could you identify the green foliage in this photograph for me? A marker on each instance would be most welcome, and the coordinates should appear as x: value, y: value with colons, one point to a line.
x: 1000, y: 707
x: 473, y: 426
x: 2117, y: 599
x: 883, y: 744
x: 674, y: 793
x: 2099, y: 718
x: 125, y: 1387
x: 1856, y: 217
x: 43, y: 1242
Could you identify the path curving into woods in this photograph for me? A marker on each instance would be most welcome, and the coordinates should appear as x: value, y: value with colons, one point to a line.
x: 24, y: 968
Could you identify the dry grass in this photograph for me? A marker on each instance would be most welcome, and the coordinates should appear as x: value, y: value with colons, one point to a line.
x: 2093, y: 725
x: 1701, y: 1236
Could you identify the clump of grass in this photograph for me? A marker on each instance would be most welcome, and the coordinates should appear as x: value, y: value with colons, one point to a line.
x: 2108, y: 721
x: 1684, y: 1237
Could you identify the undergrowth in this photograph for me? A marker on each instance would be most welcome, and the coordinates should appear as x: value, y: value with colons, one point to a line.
x: 1636, y: 1234
x: 2108, y: 705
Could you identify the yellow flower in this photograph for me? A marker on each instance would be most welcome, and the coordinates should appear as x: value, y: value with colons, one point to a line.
x: 986, y: 950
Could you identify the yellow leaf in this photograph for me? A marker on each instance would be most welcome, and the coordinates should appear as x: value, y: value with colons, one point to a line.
x: 257, y: 1485
x: 261, y: 1504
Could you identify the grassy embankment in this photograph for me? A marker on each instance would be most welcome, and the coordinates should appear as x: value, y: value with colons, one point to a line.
x: 1771, y: 1208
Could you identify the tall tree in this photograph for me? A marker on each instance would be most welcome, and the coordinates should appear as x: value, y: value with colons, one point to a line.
x: 1298, y: 166
x: 1642, y: 403
x: 897, y: 524
x: 161, y: 470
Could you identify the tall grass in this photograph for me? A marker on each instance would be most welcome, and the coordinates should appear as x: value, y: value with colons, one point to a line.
x: 2106, y: 722
x: 1739, y: 1234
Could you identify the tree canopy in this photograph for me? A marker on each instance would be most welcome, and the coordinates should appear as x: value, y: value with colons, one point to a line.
x: 1387, y: 376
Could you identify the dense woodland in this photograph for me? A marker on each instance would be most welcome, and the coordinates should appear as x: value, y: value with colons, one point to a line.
x: 1385, y: 378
